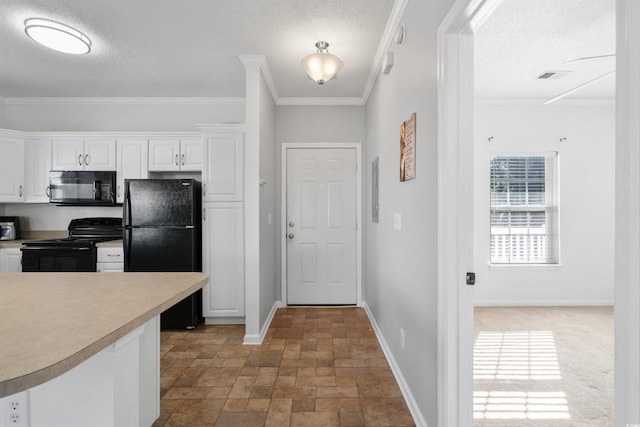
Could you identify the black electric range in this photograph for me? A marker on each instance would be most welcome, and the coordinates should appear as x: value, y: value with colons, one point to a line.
x: 77, y: 252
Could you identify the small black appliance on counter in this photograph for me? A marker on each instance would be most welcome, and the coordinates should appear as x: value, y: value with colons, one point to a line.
x: 162, y: 227
x: 9, y: 228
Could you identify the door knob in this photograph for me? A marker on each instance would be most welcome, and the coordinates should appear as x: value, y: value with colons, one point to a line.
x: 291, y: 224
x: 291, y: 236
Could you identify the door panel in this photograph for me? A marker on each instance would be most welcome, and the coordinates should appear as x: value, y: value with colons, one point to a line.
x: 321, y: 226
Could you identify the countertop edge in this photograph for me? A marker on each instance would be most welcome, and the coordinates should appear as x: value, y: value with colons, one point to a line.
x: 33, y: 379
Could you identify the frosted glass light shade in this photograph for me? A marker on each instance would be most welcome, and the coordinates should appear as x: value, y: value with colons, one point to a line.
x: 57, y: 36
x: 321, y: 66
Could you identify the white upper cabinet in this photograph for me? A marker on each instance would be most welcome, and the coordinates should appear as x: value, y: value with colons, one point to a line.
x: 172, y: 154
x: 12, y: 169
x: 37, y: 167
x: 132, y: 163
x: 222, y: 172
x: 98, y: 154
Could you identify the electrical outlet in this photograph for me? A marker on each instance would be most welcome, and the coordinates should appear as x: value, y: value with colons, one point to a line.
x: 402, y: 338
x: 17, y: 414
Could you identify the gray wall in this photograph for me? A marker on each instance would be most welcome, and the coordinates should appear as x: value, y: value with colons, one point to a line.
x: 400, y: 266
x: 119, y: 115
x: 269, y: 270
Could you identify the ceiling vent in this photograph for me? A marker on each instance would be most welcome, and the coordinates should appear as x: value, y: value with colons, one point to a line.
x: 552, y: 75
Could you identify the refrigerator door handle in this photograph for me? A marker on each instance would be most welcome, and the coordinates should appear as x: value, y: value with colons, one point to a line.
x: 127, y: 206
x: 127, y: 248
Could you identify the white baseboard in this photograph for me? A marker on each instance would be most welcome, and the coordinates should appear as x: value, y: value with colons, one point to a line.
x: 257, y: 339
x: 543, y: 303
x: 418, y: 418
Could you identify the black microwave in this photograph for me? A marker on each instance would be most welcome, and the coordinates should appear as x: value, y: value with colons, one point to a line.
x: 95, y: 188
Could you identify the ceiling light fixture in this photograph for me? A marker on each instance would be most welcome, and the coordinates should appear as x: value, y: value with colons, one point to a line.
x: 57, y: 36
x: 321, y: 66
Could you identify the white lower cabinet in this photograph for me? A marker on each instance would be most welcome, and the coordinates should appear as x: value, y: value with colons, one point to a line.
x: 223, y: 259
x: 10, y: 260
x: 110, y: 260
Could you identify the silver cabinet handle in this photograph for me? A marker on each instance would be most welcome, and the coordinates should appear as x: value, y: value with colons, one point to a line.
x: 177, y: 160
x: 87, y: 159
x: 118, y: 191
x: 47, y: 191
x: 204, y: 214
x: 20, y: 191
x: 291, y: 224
x: 291, y: 236
x: 183, y: 160
x: 204, y: 188
x: 114, y: 255
x: 80, y: 160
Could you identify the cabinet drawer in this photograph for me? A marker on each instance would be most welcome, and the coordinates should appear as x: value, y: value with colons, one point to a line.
x: 110, y: 255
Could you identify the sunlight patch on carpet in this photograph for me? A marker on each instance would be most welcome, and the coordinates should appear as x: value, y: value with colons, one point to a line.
x: 517, y: 355
x: 520, y: 405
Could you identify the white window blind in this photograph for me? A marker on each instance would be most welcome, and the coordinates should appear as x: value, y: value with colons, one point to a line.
x: 524, y: 209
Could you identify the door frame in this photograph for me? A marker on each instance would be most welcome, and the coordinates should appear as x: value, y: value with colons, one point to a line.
x: 283, y: 211
x: 455, y: 214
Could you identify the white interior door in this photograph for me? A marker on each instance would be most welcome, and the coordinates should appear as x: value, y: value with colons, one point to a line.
x: 321, y: 226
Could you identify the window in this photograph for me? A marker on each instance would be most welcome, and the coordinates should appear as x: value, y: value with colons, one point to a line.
x: 524, y: 209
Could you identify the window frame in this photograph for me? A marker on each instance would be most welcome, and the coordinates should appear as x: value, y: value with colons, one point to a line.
x: 550, y: 207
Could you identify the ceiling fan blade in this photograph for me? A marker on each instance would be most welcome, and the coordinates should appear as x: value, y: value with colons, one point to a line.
x: 590, y: 57
x: 570, y: 91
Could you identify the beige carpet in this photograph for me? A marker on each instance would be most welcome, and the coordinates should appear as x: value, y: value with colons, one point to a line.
x: 543, y: 366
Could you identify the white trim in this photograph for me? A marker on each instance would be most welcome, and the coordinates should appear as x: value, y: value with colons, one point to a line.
x: 225, y: 127
x: 257, y: 339
x: 122, y: 100
x: 80, y: 134
x: 261, y: 62
x: 455, y: 209
x: 323, y: 101
x: 525, y: 267
x: 283, y: 211
x: 541, y: 303
x: 585, y: 102
x: 385, y: 43
x: 627, y: 215
x: 414, y: 408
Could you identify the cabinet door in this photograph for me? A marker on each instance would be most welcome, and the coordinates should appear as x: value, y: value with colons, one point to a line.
x: 10, y: 260
x: 68, y: 154
x: 37, y: 167
x: 164, y: 155
x: 191, y: 154
x: 132, y: 163
x: 100, y: 154
x: 222, y: 172
x: 223, y: 260
x: 12, y: 169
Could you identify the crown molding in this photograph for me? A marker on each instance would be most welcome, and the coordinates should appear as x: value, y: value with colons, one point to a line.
x: 325, y: 101
x: 532, y: 102
x: 260, y: 61
x: 385, y: 43
x: 122, y: 100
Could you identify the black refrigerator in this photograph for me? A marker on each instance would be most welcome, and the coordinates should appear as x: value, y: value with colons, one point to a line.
x: 162, y: 231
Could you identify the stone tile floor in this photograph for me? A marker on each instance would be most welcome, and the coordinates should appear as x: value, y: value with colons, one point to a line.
x: 316, y: 367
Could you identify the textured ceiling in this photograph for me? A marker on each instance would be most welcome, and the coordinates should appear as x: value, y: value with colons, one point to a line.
x: 189, y: 48
x: 525, y: 38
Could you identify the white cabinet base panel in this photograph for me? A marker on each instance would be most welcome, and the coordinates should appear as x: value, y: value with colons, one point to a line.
x: 117, y: 387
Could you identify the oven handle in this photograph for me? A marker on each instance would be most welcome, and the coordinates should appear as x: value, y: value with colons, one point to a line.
x: 56, y: 248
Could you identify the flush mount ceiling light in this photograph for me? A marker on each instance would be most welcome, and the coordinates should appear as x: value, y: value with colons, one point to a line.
x: 321, y: 66
x: 57, y: 36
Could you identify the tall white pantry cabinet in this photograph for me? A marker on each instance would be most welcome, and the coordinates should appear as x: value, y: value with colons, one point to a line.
x: 223, y: 222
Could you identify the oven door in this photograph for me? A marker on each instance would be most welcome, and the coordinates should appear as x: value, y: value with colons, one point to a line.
x: 49, y: 258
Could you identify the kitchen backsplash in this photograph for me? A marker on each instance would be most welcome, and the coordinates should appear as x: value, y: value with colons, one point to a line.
x: 35, y: 216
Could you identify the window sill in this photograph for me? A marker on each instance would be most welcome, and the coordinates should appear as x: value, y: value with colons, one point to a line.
x: 526, y: 267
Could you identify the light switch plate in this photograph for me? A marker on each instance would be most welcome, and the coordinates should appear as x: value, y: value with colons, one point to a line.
x: 397, y: 221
